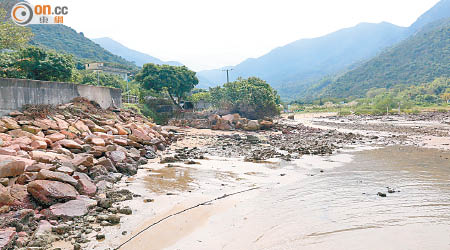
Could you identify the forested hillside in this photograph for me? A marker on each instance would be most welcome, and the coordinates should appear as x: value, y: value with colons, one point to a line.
x: 419, y: 59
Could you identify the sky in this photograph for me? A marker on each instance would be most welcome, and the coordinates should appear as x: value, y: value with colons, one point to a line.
x: 209, y: 34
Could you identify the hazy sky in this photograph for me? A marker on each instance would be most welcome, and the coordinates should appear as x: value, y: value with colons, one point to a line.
x: 207, y: 34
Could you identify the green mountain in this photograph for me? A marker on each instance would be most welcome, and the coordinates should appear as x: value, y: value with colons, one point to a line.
x: 65, y: 39
x: 137, y: 57
x: 305, y: 61
x: 422, y: 58
x: 293, y: 68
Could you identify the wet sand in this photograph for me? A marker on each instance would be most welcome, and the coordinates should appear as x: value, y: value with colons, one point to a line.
x: 316, y: 202
x: 340, y: 208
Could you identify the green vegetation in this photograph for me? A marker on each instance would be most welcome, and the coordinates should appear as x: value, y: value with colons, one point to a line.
x: 176, y: 81
x: 38, y: 64
x: 408, y: 99
x: 12, y: 36
x: 420, y: 59
x: 66, y: 40
x: 252, y: 98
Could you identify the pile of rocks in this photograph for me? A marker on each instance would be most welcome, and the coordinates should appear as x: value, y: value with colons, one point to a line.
x: 225, y: 122
x: 58, y: 164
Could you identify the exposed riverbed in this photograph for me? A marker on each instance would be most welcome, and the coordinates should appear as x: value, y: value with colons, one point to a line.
x: 313, y: 202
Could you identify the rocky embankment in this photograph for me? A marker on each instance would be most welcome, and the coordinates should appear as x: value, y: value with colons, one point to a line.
x: 58, y: 166
x: 225, y: 122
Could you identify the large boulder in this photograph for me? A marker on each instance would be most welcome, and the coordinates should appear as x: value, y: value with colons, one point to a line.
x: 252, y: 125
x: 69, y: 144
x: 47, y: 157
x: 8, y: 151
x: 5, y: 196
x: 31, y: 129
x: 11, y: 168
x: 56, y: 137
x: 86, y: 160
x: 7, y: 238
x: 9, y: 123
x: 45, y: 174
x: 222, y: 124
x: 117, y: 156
x: 72, y: 208
x: 50, y: 192
x: 85, y: 185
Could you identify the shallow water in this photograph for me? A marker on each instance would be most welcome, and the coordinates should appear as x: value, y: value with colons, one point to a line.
x: 340, y: 208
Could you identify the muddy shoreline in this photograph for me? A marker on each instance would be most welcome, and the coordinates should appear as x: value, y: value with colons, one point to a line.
x: 207, y: 164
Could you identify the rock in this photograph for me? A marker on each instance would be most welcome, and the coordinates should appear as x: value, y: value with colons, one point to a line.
x: 113, y: 219
x: 66, y: 170
x: 121, y: 142
x: 105, y: 203
x: 8, y: 151
x: 31, y: 129
x: 7, y: 238
x: 381, y: 194
x: 121, y: 130
x: 100, y: 237
x: 69, y: 144
x: 56, y: 137
x: 62, y: 124
x: 10, y: 123
x: 80, y: 126
x: 107, y: 163
x: 21, y: 197
x: 44, y: 228
x: 15, y: 113
x: 98, y: 142
x: 11, y: 168
x: 38, y: 145
x: 4, y: 181
x: 222, y: 124
x: 38, y: 166
x: 252, y: 125
x: 85, y: 185
x: 26, y: 177
x: 50, y: 192
x: 117, y: 156
x: 46, y: 157
x: 265, y: 124
x: 61, y: 229
x: 98, y: 151
x: 125, y: 210
x: 56, y: 176
x: 86, y: 160
x: 20, y: 133
x: 5, y: 196
x: 291, y: 117
x: 72, y: 208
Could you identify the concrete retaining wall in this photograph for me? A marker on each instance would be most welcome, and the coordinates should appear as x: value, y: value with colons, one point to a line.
x: 14, y: 93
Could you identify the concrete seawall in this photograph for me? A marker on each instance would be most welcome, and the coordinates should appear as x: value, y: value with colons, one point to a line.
x: 14, y: 93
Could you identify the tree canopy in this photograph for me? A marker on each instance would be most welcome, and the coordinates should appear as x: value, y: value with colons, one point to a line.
x: 252, y: 98
x: 12, y: 36
x: 177, y: 81
x: 37, y: 64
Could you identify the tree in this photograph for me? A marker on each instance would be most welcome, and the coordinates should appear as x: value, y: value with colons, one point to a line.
x: 252, y: 98
x: 446, y: 97
x: 12, y: 36
x: 177, y: 81
x: 39, y: 64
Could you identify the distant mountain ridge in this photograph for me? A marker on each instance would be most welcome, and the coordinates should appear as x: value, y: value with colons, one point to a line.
x: 137, y: 57
x: 293, y: 68
x: 420, y: 59
x: 65, y: 39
